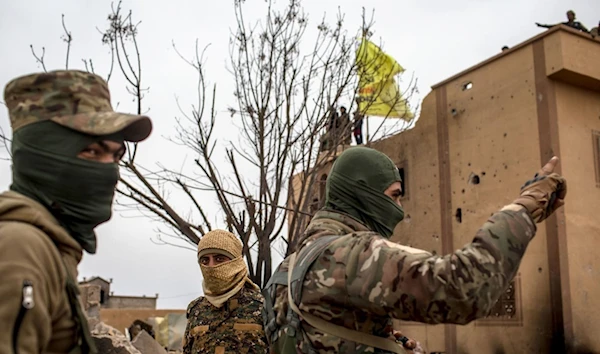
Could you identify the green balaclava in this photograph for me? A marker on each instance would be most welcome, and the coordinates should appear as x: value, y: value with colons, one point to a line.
x: 356, y: 186
x: 79, y: 193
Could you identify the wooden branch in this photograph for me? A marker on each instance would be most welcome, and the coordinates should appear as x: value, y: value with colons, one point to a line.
x: 39, y: 59
x: 68, y: 39
x: 182, y: 224
x: 5, y: 141
x: 150, y: 208
x: 198, y: 207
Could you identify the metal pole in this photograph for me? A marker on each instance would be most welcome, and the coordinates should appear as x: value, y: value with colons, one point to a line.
x: 367, y: 135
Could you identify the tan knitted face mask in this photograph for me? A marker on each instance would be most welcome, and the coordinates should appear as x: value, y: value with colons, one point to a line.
x: 223, y: 277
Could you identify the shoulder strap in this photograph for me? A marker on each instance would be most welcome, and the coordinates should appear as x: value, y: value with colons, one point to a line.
x: 339, y: 331
x: 305, y: 258
x: 309, y: 253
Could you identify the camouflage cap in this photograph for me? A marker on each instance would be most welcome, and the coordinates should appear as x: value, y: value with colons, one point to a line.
x: 75, y: 99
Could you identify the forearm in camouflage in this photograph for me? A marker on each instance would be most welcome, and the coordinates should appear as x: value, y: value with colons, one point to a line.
x: 412, y: 285
x: 187, y: 338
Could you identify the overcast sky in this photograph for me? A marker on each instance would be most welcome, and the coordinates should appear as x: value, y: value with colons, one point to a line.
x: 433, y: 39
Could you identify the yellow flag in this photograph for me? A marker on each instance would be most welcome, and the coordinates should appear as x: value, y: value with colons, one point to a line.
x: 375, y: 65
x: 378, y: 94
x: 383, y: 99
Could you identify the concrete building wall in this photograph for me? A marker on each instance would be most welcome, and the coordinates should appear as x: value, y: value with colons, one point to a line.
x: 578, y: 111
x: 131, y: 302
x: 123, y: 318
x: 104, y: 288
x: 493, y: 148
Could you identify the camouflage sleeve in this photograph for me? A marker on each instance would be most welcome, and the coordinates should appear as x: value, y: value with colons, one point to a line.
x: 258, y: 341
x: 413, y: 285
x: 187, y: 340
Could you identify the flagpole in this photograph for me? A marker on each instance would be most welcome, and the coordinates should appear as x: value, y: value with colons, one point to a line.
x: 367, y: 135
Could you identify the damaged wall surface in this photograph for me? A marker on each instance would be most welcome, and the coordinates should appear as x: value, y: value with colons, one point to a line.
x: 109, y: 300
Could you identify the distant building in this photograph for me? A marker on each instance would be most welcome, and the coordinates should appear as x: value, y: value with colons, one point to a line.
x: 110, y: 301
x: 481, y: 134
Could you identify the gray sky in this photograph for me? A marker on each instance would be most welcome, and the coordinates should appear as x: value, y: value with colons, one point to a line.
x: 432, y: 39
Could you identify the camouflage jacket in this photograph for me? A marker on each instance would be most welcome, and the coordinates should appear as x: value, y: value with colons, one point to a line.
x: 236, y: 327
x: 362, y: 281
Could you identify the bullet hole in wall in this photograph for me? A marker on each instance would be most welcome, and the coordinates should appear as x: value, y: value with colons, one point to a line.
x: 473, y: 179
x: 483, y: 173
x: 463, y: 191
x: 458, y: 215
x: 540, y: 269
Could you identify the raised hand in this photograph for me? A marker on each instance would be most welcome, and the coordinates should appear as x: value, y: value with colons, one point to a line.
x: 545, y: 193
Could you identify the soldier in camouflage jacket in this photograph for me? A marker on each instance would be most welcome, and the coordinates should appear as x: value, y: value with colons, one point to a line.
x: 227, y: 319
x: 362, y: 281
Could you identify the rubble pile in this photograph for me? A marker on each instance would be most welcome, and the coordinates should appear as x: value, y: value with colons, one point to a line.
x: 108, y: 339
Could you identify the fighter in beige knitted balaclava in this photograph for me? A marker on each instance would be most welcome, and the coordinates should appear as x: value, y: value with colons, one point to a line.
x: 224, y: 270
x: 227, y: 319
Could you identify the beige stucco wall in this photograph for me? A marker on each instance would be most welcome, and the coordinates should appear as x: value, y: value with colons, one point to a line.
x: 578, y: 115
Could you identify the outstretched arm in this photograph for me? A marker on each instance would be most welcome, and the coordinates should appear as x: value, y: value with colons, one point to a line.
x: 544, y: 26
x: 408, y: 284
x: 456, y: 288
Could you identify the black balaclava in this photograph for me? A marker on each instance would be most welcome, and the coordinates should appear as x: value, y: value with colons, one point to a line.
x: 78, y: 192
x: 356, y: 186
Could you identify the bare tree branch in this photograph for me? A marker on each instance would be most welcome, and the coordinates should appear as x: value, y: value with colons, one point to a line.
x: 67, y: 38
x: 5, y: 143
x: 39, y: 59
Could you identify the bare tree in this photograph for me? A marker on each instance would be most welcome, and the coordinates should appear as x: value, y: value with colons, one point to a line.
x: 284, y: 92
x: 136, y: 183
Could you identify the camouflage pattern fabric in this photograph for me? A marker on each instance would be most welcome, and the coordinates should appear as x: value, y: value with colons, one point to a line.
x: 75, y: 99
x: 236, y: 327
x: 362, y: 281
